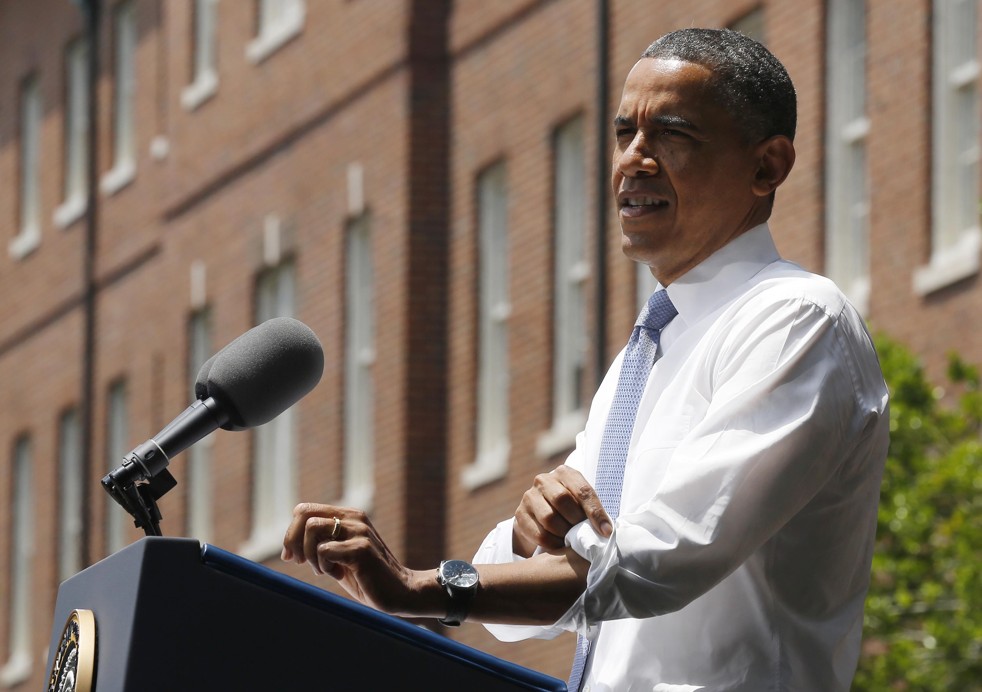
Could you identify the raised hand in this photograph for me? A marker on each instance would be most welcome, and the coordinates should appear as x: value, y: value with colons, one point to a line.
x: 555, y: 503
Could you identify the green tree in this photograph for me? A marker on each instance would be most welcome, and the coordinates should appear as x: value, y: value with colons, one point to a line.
x: 923, y: 625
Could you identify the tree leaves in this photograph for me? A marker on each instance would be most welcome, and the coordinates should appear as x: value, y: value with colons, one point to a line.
x: 923, y: 623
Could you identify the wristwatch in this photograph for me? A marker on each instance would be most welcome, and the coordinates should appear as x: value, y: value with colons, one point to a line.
x: 460, y: 580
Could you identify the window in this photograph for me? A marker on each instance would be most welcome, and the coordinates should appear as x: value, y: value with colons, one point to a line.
x: 124, y: 136
x: 847, y: 194
x: 359, y: 360
x: 70, y: 495
x: 19, y: 606
x: 75, y: 192
x: 117, y: 437
x: 274, y: 455
x: 956, y: 240
x: 199, y: 455
x: 570, y: 340
x: 750, y: 25
x: 278, y: 22
x: 493, y: 312
x: 204, y: 77
x: 30, y: 169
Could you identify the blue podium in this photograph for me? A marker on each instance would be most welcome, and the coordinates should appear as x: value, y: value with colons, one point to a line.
x: 171, y: 615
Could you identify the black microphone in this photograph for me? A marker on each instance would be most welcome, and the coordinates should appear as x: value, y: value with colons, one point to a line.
x: 248, y: 383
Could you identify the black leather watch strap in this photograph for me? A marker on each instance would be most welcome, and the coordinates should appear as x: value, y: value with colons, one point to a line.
x: 458, y: 606
x: 459, y: 579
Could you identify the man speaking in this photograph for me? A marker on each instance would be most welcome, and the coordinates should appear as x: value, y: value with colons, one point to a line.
x: 713, y: 529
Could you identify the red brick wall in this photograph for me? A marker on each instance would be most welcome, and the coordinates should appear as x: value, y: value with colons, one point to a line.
x: 423, y: 95
x: 516, y: 77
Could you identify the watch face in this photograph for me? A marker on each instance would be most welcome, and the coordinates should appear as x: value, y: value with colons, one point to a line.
x: 459, y: 574
x: 74, y: 664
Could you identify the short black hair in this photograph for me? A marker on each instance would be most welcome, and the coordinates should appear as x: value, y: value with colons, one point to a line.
x: 749, y: 81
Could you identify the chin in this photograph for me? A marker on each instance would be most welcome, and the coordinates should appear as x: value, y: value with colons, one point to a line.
x: 636, y: 251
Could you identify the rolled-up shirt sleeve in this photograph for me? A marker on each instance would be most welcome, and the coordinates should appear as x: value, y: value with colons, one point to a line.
x: 786, y: 397
x: 497, y: 549
x: 789, y: 402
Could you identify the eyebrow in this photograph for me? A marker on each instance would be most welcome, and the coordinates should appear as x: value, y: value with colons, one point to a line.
x: 672, y: 121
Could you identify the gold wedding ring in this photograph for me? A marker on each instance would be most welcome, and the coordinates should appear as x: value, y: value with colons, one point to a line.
x: 334, y: 531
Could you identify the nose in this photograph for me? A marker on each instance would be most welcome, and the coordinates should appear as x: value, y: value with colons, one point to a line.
x: 637, y: 161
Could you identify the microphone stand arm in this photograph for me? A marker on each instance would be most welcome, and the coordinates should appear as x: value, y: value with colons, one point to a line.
x: 143, y: 478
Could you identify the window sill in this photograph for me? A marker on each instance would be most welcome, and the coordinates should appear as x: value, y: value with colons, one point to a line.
x: 950, y: 265
x: 159, y: 147
x: 264, y: 544
x: 361, y: 497
x: 561, y: 437
x: 200, y: 90
x: 274, y: 38
x: 121, y: 175
x: 26, y: 242
x: 489, y: 466
x: 70, y: 211
x: 16, y: 670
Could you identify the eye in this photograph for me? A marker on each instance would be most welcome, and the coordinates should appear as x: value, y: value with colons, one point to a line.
x: 669, y: 132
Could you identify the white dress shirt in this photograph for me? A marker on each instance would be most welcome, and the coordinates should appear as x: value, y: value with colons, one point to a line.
x: 741, y: 557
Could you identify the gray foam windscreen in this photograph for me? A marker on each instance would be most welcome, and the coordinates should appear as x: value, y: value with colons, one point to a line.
x: 263, y: 372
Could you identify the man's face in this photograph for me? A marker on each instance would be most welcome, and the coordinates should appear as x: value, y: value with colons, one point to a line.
x: 682, y: 175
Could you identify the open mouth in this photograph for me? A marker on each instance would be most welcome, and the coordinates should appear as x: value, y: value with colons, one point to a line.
x: 642, y: 203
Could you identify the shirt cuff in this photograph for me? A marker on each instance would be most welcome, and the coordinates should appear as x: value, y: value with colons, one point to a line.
x: 601, y: 553
x: 497, y: 550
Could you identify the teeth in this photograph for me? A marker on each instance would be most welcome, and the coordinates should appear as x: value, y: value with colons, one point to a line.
x: 642, y: 202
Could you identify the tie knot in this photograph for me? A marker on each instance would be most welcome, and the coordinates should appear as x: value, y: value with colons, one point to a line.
x: 657, y: 312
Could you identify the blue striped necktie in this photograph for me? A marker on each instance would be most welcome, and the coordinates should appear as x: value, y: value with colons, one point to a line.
x: 639, y: 357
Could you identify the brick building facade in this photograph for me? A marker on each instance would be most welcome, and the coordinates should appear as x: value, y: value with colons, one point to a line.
x: 423, y: 182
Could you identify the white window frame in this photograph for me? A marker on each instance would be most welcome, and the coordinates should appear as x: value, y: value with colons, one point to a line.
x: 846, y: 175
x: 124, y: 102
x: 359, y: 358
x: 751, y: 25
x: 494, y: 310
x: 204, y: 81
x: 31, y: 113
x: 199, y: 456
x: 278, y: 22
x: 117, y: 447
x: 71, y: 494
x: 19, y: 662
x: 274, y: 466
x: 956, y: 238
x: 571, y: 342
x: 75, y: 194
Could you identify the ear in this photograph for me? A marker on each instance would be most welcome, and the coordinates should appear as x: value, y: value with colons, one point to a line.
x: 775, y: 158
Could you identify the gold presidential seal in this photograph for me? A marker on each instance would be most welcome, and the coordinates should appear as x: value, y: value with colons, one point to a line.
x: 73, y: 669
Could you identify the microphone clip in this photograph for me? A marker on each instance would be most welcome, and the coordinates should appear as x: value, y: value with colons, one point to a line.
x: 138, y: 483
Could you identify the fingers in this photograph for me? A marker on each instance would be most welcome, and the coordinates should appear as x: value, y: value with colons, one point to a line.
x: 555, y: 503
x: 586, y: 499
x: 313, y: 523
x: 293, y: 538
x: 319, y: 530
x: 545, y: 517
x: 564, y: 509
x: 344, y: 544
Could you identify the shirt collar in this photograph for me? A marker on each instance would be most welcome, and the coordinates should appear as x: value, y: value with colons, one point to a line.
x: 714, y: 281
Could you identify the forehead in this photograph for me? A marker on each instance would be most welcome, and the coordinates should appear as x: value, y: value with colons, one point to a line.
x: 656, y: 84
